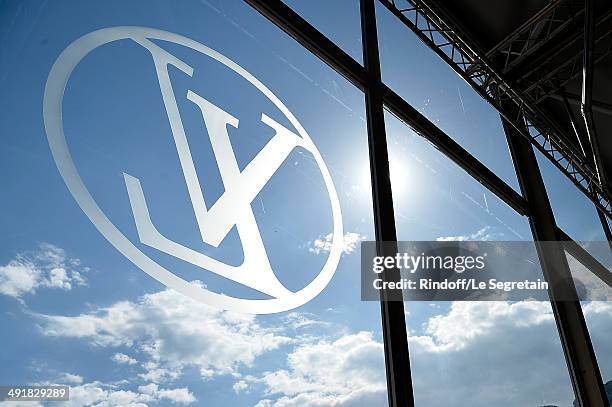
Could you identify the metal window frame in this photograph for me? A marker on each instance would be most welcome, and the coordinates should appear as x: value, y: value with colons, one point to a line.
x: 583, y: 367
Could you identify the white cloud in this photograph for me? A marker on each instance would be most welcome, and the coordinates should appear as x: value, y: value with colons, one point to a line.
x: 486, y: 233
x: 47, y: 267
x: 482, y: 353
x: 158, y: 374
x: 240, y: 386
x: 346, y: 372
x: 124, y: 359
x: 297, y: 320
x: 466, y: 321
x: 99, y: 394
x: 180, y: 395
x: 490, y: 353
x: 597, y: 308
x: 21, y: 404
x: 173, y: 332
x: 72, y: 378
x: 150, y: 388
x: 509, y: 352
x: 323, y: 243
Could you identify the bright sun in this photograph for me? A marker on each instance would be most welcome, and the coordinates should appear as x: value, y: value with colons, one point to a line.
x: 400, y: 176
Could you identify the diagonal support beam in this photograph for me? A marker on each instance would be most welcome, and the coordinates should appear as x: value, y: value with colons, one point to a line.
x: 586, y: 108
x: 575, y: 341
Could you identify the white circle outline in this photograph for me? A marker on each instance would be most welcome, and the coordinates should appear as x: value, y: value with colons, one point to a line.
x: 52, y: 113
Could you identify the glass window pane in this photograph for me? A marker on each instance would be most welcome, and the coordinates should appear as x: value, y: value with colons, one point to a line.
x: 425, y: 81
x: 597, y: 312
x: 469, y: 353
x: 567, y: 201
x: 339, y: 21
x: 76, y: 311
x: 574, y: 212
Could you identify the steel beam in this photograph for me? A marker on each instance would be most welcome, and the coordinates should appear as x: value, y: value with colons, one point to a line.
x: 601, y: 107
x: 395, y: 337
x: 605, y: 224
x: 582, y: 141
x: 586, y: 108
x: 573, y: 332
x: 462, y: 55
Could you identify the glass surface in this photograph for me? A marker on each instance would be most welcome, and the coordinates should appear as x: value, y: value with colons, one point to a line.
x: 574, y: 213
x: 340, y: 21
x: 424, y: 80
x: 597, y: 314
x: 76, y: 311
x: 469, y: 353
x: 567, y: 201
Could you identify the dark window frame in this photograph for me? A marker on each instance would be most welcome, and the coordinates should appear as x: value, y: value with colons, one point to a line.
x: 573, y: 332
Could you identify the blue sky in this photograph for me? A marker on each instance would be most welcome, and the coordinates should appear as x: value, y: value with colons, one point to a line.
x: 76, y: 311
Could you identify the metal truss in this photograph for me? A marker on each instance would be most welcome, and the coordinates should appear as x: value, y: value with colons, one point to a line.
x: 395, y: 337
x: 558, y: 70
x: 554, y: 19
x: 461, y: 53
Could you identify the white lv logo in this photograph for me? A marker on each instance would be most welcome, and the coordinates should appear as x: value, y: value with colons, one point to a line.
x: 214, y: 221
x: 241, y: 188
